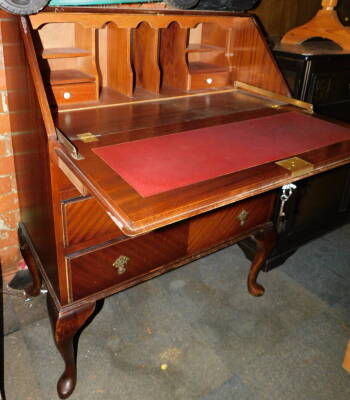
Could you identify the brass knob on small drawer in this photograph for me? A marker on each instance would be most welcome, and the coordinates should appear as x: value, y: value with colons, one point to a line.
x: 120, y: 264
x: 243, y: 217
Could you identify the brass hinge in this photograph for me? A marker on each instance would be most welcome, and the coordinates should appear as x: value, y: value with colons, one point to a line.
x: 87, y: 137
x: 297, y: 166
x: 73, y: 151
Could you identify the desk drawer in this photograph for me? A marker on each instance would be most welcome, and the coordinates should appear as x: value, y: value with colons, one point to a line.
x: 126, y: 262
x: 209, y: 80
x: 74, y: 93
x: 85, y: 222
x: 217, y: 226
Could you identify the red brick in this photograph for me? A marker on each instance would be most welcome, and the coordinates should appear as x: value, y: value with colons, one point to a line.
x: 8, y: 237
x: 5, y: 184
x: 5, y: 145
x: 13, y: 184
x: 10, y: 219
x: 9, y: 32
x: 8, y: 202
x: 7, y: 165
x: 18, y: 100
x: 3, y: 99
x: 12, y: 55
x: 3, y: 148
x: 2, y: 79
x: 4, y: 123
x: 8, y: 146
x: 13, y: 78
x: 9, y: 257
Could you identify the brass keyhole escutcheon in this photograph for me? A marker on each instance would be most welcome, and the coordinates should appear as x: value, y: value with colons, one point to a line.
x: 243, y: 217
x: 120, y: 264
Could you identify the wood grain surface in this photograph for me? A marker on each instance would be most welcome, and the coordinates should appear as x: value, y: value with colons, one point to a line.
x: 138, y: 215
x: 86, y: 223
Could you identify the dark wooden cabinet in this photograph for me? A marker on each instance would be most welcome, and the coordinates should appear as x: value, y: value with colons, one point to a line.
x: 312, y: 210
x: 318, y: 72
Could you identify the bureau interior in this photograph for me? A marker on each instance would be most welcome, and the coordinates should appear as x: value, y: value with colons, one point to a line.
x: 97, y: 59
x: 85, y: 64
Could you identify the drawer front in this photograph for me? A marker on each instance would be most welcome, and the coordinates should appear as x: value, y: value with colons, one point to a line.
x: 215, y: 227
x: 209, y: 80
x: 85, y: 221
x: 74, y: 93
x: 127, y: 261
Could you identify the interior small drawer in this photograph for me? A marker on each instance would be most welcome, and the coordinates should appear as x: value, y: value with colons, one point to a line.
x: 74, y: 93
x: 126, y: 262
x: 213, y: 228
x: 210, y: 80
x: 86, y: 222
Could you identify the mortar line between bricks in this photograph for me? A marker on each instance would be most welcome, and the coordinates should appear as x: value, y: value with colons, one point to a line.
x: 15, y: 112
x: 10, y: 43
x: 5, y: 175
x: 17, y: 133
x: 6, y: 91
x: 10, y: 211
x: 22, y: 153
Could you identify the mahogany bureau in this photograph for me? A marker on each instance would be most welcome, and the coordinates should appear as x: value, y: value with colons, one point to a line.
x: 155, y: 139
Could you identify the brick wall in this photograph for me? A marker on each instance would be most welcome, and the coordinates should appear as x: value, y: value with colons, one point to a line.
x: 11, y: 84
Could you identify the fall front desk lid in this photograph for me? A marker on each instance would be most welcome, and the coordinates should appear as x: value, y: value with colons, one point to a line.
x: 160, y: 164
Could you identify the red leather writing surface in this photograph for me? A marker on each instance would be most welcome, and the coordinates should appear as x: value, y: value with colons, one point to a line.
x: 159, y: 164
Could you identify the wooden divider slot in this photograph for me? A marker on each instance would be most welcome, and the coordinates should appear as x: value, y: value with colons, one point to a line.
x: 145, y: 57
x: 120, y: 75
x: 173, y: 47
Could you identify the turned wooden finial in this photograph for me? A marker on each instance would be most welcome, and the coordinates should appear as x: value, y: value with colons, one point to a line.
x: 329, y: 4
x: 325, y: 24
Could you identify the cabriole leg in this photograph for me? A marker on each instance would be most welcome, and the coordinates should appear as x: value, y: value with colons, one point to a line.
x: 34, y: 289
x: 64, y: 327
x: 265, y: 242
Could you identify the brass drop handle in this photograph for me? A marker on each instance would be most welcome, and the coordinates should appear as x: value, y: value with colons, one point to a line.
x: 243, y: 217
x: 120, y: 264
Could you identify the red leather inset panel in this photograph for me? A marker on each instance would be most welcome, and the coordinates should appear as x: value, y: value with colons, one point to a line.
x: 159, y: 164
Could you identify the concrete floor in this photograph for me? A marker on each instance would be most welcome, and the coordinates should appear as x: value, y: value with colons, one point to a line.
x: 213, y: 340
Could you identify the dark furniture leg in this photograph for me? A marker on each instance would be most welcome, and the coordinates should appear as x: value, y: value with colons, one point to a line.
x: 34, y: 289
x: 265, y: 242
x: 64, y: 326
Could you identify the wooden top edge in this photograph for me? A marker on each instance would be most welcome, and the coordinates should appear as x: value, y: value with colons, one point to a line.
x: 130, y: 10
x: 311, y: 49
